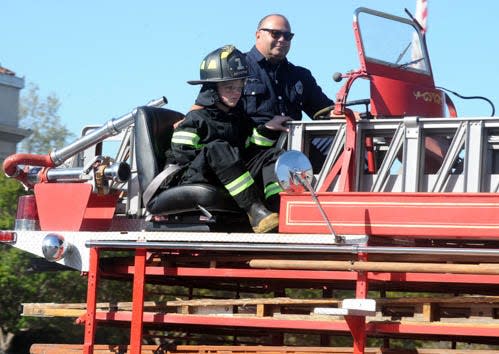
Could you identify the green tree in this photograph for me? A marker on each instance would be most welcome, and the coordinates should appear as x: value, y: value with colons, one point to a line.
x: 10, y: 190
x: 41, y: 116
x: 18, y: 284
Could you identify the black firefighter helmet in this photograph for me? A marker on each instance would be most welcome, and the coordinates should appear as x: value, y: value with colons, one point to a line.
x: 223, y: 64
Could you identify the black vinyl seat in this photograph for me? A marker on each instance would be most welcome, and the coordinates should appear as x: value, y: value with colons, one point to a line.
x: 181, y: 205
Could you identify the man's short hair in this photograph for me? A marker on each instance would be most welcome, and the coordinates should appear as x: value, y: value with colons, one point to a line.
x: 262, y: 21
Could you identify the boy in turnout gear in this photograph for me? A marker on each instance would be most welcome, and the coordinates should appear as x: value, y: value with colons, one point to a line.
x: 219, y: 144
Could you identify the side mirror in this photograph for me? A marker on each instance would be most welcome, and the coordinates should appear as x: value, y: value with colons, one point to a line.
x: 294, y: 172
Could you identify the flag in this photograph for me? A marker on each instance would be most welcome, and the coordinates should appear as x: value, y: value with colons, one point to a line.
x: 421, y: 16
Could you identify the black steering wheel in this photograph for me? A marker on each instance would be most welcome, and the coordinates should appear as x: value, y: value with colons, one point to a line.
x: 325, y: 112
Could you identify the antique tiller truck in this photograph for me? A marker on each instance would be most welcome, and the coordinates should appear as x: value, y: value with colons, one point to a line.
x: 405, y: 200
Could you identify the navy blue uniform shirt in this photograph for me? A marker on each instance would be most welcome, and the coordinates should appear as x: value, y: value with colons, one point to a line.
x: 282, y: 89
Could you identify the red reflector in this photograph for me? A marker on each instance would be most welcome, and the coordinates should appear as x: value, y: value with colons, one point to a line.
x: 26, y: 208
x: 27, y: 213
x: 8, y: 236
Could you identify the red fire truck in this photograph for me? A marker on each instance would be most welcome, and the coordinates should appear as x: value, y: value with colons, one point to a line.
x: 405, y: 200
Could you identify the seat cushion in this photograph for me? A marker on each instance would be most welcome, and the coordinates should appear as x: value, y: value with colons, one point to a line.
x: 186, y: 198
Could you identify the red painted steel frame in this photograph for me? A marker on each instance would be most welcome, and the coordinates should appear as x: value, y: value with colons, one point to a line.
x: 423, y: 215
x: 396, y: 91
x: 356, y: 325
x: 348, y: 156
x: 138, y: 301
x: 396, y: 98
x: 90, y: 318
x: 73, y: 207
x: 373, y: 327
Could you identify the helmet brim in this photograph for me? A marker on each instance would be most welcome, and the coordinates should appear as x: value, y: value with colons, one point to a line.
x: 200, y: 82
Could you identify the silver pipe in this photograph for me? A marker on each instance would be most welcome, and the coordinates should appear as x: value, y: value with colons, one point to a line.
x: 65, y: 174
x: 118, y: 172
x: 295, y: 248
x: 110, y: 128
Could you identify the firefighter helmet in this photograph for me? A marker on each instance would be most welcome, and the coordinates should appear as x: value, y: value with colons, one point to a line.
x: 223, y: 64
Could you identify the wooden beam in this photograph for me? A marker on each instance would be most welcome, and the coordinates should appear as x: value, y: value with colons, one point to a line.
x: 395, y: 267
x: 214, y: 349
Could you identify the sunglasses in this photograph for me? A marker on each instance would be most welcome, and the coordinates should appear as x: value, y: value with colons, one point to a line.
x: 276, y: 34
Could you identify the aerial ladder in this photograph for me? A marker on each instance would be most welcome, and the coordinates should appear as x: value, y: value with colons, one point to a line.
x: 405, y: 200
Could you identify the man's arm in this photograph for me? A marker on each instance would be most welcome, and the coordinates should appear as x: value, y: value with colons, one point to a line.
x: 314, y: 99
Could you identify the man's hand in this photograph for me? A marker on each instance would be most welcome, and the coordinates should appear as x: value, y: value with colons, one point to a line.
x: 278, y: 123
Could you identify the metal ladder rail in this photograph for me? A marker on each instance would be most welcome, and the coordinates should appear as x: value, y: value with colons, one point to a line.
x: 391, y: 155
x: 474, y: 156
x: 332, y: 156
x: 297, y: 136
x: 453, y: 152
x: 410, y: 134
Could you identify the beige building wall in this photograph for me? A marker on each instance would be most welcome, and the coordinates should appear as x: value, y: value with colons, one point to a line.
x: 10, y: 133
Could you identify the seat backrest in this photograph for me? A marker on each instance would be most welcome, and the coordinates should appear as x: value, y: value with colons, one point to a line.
x: 153, y: 134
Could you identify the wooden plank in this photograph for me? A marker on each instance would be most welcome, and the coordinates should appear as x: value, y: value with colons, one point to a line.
x: 254, y: 301
x: 78, y: 309
x: 184, y: 310
x: 390, y: 267
x: 194, y: 349
x: 418, y: 309
x: 212, y: 349
x: 102, y: 305
x: 428, y: 311
x: 78, y: 349
x: 440, y: 300
x: 260, y: 310
x: 52, y: 312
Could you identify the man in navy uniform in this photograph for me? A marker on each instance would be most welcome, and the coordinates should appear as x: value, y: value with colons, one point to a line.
x: 276, y: 87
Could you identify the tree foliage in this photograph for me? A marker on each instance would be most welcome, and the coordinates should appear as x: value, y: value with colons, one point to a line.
x: 10, y: 190
x: 41, y: 116
x: 18, y: 282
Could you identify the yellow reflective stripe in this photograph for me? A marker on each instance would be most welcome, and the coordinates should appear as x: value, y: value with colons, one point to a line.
x: 239, y: 184
x: 260, y: 140
x: 186, y: 138
x: 271, y: 189
x: 248, y: 142
x: 212, y: 64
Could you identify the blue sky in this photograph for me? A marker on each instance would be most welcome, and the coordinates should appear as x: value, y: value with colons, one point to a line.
x: 103, y: 58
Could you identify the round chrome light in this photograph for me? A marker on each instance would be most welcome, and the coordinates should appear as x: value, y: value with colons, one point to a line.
x: 55, y: 247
